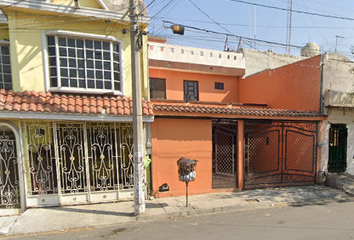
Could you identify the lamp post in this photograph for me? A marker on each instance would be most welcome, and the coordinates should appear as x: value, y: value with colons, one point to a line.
x: 139, y: 172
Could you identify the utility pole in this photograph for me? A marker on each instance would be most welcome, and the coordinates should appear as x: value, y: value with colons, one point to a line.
x: 139, y: 172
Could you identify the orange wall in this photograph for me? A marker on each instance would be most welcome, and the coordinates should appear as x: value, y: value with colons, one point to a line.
x: 295, y: 86
x: 175, y: 138
x: 206, y: 82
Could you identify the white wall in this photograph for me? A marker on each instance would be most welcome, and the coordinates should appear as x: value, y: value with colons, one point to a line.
x: 258, y: 61
x: 337, y: 116
x: 176, y: 53
x: 338, y: 74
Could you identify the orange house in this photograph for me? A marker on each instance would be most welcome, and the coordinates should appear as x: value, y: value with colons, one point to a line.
x: 256, y: 132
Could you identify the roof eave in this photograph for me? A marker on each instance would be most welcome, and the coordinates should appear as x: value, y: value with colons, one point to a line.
x: 70, y: 117
x: 159, y: 113
x: 68, y: 10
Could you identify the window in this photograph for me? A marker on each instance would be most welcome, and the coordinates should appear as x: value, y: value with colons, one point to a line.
x: 157, y: 88
x: 219, y: 86
x: 191, y: 90
x: 5, y: 68
x: 79, y: 63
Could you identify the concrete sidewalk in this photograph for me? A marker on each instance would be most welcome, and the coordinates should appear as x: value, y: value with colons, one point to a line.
x: 342, y: 181
x: 56, y: 219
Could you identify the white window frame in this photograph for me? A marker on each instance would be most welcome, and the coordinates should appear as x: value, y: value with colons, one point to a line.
x: 7, y: 44
x: 83, y: 36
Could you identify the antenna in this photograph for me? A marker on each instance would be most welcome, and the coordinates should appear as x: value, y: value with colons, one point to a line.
x: 226, y: 43
x: 288, y: 33
x: 335, y: 49
x: 255, y: 26
x: 239, y: 44
x: 250, y: 23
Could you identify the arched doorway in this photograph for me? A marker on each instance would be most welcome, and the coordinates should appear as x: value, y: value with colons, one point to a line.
x: 11, y: 197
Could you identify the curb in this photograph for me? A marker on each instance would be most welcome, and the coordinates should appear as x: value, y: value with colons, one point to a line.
x: 188, y: 213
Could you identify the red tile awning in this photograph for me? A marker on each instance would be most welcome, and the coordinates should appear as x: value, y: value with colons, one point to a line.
x: 165, y: 107
x: 46, y: 102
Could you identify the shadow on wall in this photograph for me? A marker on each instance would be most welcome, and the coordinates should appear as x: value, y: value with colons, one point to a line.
x: 181, y: 130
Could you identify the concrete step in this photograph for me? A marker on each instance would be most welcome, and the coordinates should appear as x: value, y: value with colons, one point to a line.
x: 343, y: 181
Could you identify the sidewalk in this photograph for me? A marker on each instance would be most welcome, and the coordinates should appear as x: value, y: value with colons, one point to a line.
x: 58, y: 219
x: 342, y: 181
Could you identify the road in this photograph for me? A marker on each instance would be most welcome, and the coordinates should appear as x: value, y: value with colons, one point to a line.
x: 330, y: 220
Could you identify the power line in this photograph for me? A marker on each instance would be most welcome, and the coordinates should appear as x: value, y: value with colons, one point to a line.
x: 209, y: 16
x: 233, y: 35
x: 258, y: 26
x: 296, y: 11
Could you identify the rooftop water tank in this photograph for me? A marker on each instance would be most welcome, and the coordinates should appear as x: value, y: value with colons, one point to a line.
x: 310, y: 49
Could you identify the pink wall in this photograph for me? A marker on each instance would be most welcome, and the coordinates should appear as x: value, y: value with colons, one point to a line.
x: 175, y: 138
x: 295, y: 86
x: 206, y: 82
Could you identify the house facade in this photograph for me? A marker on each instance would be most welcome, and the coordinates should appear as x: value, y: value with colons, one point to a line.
x: 255, y: 132
x: 65, y: 102
x: 336, y: 102
x: 338, y: 138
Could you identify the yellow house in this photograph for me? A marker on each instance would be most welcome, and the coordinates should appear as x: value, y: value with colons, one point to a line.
x: 65, y: 101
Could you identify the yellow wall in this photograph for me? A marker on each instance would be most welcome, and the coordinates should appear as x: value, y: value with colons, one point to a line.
x: 26, y: 44
x: 4, y: 32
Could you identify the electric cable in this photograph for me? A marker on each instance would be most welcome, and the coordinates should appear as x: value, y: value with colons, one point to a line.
x: 296, y: 11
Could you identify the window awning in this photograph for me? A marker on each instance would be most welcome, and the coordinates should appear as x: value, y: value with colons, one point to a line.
x: 46, y: 105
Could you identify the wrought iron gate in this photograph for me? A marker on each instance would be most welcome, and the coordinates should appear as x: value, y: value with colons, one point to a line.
x: 337, y: 161
x: 280, y: 154
x: 9, y: 175
x: 224, y: 154
x: 78, y: 162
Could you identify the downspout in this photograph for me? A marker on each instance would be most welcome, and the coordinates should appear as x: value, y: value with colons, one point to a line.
x: 321, y: 108
x: 148, y: 130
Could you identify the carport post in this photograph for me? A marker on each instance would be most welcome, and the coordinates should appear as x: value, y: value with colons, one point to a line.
x: 241, y: 155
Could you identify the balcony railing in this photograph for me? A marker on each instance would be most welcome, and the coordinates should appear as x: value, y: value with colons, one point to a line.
x: 176, y: 53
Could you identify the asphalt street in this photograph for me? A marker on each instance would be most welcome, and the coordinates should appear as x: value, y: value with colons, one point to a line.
x: 321, y: 220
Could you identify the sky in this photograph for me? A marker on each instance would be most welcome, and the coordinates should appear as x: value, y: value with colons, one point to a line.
x: 239, y: 18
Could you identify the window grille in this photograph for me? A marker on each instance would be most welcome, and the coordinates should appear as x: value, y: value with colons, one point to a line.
x: 79, y: 63
x: 5, y: 68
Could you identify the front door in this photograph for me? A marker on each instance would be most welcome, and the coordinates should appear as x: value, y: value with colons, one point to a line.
x: 224, y: 154
x: 337, y: 148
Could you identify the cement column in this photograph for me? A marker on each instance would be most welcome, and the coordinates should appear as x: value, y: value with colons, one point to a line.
x: 138, y: 131
x: 241, y: 155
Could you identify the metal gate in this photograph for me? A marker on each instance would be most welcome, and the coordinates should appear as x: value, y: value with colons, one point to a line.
x: 280, y: 154
x: 9, y: 174
x: 224, y: 154
x: 337, y: 161
x: 78, y: 162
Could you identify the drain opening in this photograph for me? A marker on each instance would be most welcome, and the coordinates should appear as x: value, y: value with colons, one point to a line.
x: 253, y: 200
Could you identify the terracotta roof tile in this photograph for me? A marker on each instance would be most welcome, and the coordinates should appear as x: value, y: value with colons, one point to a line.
x: 232, y: 110
x: 71, y: 104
